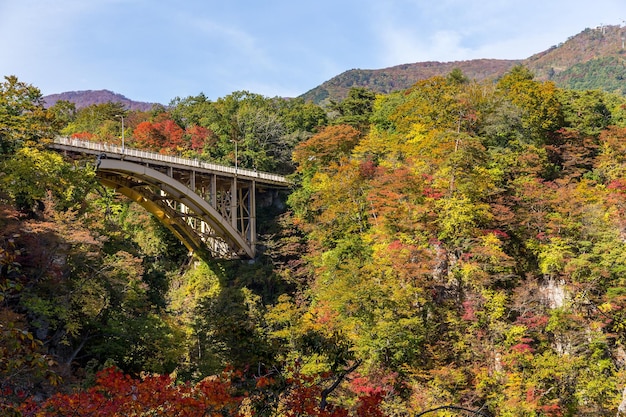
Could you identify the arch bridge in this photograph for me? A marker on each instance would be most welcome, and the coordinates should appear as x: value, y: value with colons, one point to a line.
x: 209, y: 207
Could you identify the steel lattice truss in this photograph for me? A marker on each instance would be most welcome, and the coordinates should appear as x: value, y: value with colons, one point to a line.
x: 216, y: 214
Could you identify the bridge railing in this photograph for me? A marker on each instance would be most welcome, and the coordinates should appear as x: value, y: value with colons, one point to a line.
x: 110, y: 148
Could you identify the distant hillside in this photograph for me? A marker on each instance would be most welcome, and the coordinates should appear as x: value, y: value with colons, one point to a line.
x: 403, y: 76
x: 88, y: 97
x: 593, y: 59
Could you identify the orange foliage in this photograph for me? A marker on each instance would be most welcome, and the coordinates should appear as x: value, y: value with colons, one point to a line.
x: 163, y: 136
x: 330, y: 144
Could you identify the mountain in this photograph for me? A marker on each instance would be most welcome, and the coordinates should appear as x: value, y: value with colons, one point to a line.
x: 403, y: 76
x: 88, y: 97
x: 593, y: 59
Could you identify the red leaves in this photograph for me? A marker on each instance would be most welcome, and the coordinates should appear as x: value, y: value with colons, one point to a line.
x: 522, y: 348
x: 166, y: 136
x: 198, y: 136
x: 117, y: 394
x: 163, y: 136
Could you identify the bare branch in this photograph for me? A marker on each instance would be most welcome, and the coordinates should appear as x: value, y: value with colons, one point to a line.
x: 327, y: 391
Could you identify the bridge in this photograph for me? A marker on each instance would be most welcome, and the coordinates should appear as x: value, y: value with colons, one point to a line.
x: 209, y: 207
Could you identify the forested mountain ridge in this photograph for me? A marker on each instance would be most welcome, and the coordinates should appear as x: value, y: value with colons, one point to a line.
x: 86, y: 98
x: 595, y: 58
x: 400, y: 77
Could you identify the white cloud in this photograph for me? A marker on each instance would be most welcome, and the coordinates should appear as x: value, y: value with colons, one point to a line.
x: 413, y: 31
x: 226, y: 43
x: 402, y: 45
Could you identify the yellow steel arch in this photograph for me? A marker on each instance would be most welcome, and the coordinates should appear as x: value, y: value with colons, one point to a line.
x: 137, y: 182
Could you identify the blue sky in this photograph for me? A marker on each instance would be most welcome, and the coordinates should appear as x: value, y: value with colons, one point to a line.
x: 156, y: 50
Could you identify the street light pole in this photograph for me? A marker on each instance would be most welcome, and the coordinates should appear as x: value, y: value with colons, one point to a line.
x: 235, y: 158
x: 122, y: 116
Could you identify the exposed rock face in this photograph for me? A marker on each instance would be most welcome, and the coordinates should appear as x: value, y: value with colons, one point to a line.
x: 553, y: 292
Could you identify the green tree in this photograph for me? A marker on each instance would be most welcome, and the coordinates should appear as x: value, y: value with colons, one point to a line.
x: 23, y: 119
x: 32, y: 173
x: 103, y: 121
x: 355, y: 109
x: 541, y: 112
x: 64, y: 111
x: 585, y: 111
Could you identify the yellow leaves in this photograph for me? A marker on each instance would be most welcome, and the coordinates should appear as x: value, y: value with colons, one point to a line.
x: 495, y: 303
x: 458, y: 217
x: 605, y: 307
x: 514, y: 335
x: 339, y: 200
x: 538, y: 100
x: 197, y: 283
x: 611, y: 162
x: 428, y: 143
x: 553, y: 256
x: 486, y: 262
x: 472, y: 273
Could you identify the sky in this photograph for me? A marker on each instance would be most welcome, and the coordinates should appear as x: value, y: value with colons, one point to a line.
x: 158, y: 50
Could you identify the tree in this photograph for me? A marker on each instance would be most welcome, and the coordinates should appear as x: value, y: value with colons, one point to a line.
x: 329, y: 145
x: 24, y: 363
x: 100, y: 120
x: 64, y: 111
x: 300, y: 116
x: 163, y: 136
x: 611, y: 160
x: 23, y: 119
x: 115, y: 394
x: 431, y: 103
x: 541, y: 112
x: 355, y: 109
x: 33, y: 173
x: 585, y: 111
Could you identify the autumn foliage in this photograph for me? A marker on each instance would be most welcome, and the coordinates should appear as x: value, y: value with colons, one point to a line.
x: 458, y: 245
x: 116, y: 394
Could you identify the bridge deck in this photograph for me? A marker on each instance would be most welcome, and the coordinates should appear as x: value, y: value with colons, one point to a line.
x: 136, y: 155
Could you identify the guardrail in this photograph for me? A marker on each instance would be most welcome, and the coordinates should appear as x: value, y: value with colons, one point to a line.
x: 153, y: 156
